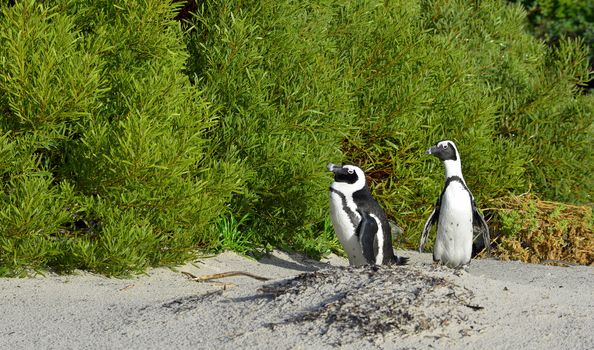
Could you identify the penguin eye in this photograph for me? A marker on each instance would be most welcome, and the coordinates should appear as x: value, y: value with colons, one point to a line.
x: 350, y: 171
x: 445, y: 146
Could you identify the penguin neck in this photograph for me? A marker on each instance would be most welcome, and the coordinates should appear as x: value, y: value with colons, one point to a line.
x: 453, y: 168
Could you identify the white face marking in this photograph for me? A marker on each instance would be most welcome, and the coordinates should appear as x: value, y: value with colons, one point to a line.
x: 445, y: 144
x: 452, y: 167
x: 347, y: 188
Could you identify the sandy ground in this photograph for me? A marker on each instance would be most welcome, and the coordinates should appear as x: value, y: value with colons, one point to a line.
x: 305, y: 305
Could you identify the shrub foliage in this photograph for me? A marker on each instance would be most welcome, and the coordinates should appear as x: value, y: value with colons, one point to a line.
x: 126, y: 142
x: 537, y: 231
x: 381, y: 81
x: 105, y: 160
x: 553, y: 20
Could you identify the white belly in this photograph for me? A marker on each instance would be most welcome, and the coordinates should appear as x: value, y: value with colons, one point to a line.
x: 345, y: 231
x: 453, y: 242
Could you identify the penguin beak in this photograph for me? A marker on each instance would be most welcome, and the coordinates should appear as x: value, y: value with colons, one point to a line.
x: 333, y: 167
x: 431, y: 150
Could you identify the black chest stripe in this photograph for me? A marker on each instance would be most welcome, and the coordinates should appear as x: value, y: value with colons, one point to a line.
x: 352, y: 216
x: 456, y: 179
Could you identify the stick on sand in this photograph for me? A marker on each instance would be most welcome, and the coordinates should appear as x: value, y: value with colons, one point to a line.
x: 223, y: 275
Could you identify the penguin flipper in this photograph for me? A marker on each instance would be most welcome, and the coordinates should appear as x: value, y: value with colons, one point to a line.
x: 480, y: 228
x: 367, y: 232
x: 430, y: 221
x: 395, y: 230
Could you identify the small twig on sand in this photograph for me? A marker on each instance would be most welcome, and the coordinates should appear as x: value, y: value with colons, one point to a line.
x: 126, y: 287
x: 475, y: 307
x: 224, y: 274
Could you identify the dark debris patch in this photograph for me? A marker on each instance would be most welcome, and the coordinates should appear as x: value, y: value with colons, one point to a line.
x: 189, y: 303
x: 346, y: 304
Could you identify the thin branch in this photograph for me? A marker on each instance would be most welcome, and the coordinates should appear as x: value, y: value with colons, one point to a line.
x: 223, y: 275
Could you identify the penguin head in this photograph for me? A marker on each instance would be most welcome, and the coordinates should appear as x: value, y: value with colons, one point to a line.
x: 348, y: 177
x: 444, y: 150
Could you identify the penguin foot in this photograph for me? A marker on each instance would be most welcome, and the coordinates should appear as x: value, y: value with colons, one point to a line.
x: 461, y: 270
x: 400, y: 260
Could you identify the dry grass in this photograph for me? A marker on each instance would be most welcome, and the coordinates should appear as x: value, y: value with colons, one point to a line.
x: 532, y: 230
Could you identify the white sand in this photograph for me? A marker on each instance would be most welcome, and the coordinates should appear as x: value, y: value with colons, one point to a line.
x: 510, y: 305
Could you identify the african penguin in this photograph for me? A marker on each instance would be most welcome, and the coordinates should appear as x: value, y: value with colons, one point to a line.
x: 455, y: 214
x: 359, y: 221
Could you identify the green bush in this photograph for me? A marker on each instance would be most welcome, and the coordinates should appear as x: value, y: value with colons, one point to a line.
x: 268, y: 68
x: 106, y: 161
x: 125, y: 143
x: 554, y: 20
x: 381, y: 81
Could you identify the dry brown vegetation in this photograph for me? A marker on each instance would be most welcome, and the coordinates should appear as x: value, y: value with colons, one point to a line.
x: 537, y: 231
